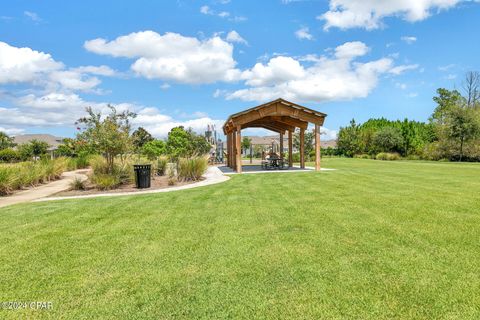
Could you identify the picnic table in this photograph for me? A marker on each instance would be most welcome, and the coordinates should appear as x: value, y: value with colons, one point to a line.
x: 273, y: 163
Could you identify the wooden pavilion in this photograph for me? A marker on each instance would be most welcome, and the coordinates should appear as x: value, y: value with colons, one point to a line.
x: 280, y: 116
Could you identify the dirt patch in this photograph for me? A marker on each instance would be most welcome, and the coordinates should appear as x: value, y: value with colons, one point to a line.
x: 156, y: 183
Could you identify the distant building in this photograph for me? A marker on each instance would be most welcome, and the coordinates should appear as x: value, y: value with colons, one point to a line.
x: 53, y: 141
x: 266, y: 143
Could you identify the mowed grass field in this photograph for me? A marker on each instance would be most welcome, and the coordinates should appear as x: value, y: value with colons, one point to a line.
x: 371, y: 240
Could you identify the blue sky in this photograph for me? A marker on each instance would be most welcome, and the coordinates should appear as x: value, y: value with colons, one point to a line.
x: 196, y: 62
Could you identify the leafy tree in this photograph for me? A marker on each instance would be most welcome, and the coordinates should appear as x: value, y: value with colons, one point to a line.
x: 110, y: 135
x: 141, y: 137
x: 446, y: 101
x: 309, y: 141
x: 178, y: 143
x: 388, y: 139
x: 67, y: 148
x: 5, y: 141
x: 186, y: 143
x: 154, y: 148
x: 246, y: 143
x: 349, y: 142
x: 39, y: 148
x: 463, y: 126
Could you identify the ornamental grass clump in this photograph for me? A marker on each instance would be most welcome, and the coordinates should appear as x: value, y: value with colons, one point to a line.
x: 191, y: 169
x: 106, y: 178
x: 29, y: 174
x: 161, y: 166
x: 387, y: 156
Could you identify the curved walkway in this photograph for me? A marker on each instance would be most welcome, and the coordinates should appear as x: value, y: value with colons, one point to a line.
x: 212, y: 176
x: 44, y: 190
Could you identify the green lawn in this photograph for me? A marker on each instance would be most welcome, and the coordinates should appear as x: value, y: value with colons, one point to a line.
x: 372, y: 240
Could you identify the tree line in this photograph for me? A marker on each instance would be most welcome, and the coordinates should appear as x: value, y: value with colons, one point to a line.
x: 451, y: 133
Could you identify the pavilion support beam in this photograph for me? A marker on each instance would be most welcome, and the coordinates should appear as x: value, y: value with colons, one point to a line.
x: 238, y: 143
x: 317, y: 148
x: 228, y: 149
x: 290, y: 148
x: 234, y: 148
x: 281, y: 145
x: 302, y: 148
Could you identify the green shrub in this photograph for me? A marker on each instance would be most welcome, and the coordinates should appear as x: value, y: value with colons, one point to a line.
x: 82, y: 161
x: 191, y: 168
x: 77, y: 184
x: 161, y: 166
x: 387, y: 156
x: 363, y: 156
x: 105, y: 181
x: 9, y: 155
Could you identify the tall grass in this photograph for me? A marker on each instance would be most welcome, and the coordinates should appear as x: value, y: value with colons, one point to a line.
x: 28, y: 174
x: 189, y: 169
x: 104, y: 179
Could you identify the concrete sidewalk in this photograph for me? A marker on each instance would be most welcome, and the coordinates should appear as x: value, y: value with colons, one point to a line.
x: 212, y: 176
x: 44, y: 190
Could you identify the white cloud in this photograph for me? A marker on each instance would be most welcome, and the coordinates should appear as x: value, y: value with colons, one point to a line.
x: 172, y: 56
x: 335, y: 77
x: 303, y: 34
x: 11, y: 131
x: 234, y: 36
x: 446, y: 67
x: 165, y: 86
x: 401, y: 69
x: 369, y: 14
x: 409, y: 39
x: 32, y: 15
x: 97, y: 70
x: 222, y: 14
x: 206, y: 10
x: 328, y: 134
x: 24, y: 64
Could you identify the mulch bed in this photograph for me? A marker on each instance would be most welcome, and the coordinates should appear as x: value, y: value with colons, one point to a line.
x: 157, y: 182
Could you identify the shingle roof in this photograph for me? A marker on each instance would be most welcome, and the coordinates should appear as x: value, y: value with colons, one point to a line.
x: 52, y: 141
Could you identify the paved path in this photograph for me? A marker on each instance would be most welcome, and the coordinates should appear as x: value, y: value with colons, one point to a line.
x: 44, y: 190
x: 212, y: 176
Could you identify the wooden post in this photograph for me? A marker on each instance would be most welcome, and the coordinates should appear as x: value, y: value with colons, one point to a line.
x: 239, y: 149
x: 302, y: 148
x: 251, y: 152
x: 281, y: 145
x: 233, y: 150
x: 290, y: 148
x: 317, y: 148
x: 228, y: 149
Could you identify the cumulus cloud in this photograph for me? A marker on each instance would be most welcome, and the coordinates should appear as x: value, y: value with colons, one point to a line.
x: 11, y: 131
x: 24, y: 65
x: 369, y: 14
x: 326, y: 78
x: 304, y: 34
x: 234, y: 36
x: 61, y: 109
x: 171, y: 56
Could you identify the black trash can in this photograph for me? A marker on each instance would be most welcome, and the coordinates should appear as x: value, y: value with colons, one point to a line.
x: 142, y: 175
